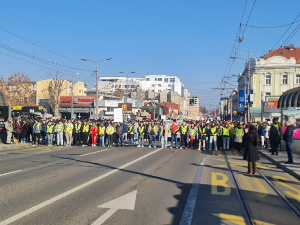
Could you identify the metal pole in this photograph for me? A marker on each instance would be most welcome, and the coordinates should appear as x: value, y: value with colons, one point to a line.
x: 71, y: 99
x: 248, y: 102
x: 262, y: 107
x: 97, y: 91
x: 154, y: 104
x: 126, y: 95
x: 231, y: 107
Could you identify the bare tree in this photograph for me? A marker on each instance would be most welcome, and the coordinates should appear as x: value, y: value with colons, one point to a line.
x: 53, y: 90
x: 18, y: 89
x: 119, y: 93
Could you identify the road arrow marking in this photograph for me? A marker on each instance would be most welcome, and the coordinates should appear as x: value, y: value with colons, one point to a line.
x: 126, y: 201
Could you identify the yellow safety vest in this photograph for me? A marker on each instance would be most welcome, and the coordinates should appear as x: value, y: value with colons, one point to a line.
x: 130, y: 130
x: 202, y: 130
x: 154, y: 127
x: 184, y: 129
x: 86, y: 128
x: 102, y: 130
x: 142, y: 130
x: 166, y: 131
x: 239, y: 132
x: 49, y: 129
x: 226, y: 131
x: 192, y: 131
x: 277, y: 126
x: 109, y: 130
x: 59, y: 127
x: 69, y: 128
x: 77, y: 126
x: 213, y: 130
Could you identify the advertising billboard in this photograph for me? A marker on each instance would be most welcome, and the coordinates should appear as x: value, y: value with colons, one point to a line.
x: 294, y: 117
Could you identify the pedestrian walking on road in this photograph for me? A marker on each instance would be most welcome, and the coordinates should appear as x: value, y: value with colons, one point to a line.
x: 141, y: 132
x: 288, y: 137
x: 109, y: 132
x: 226, y: 137
x: 102, y: 132
x: 202, y: 136
x: 239, y: 133
x: 183, y: 136
x: 174, y: 132
x: 164, y: 131
x: 152, y: 130
x: 213, y: 136
x: 251, y: 151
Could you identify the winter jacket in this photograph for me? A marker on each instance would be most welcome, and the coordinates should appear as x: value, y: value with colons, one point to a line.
x: 289, y: 134
x: 9, y: 127
x: 18, y: 128
x: 273, y: 134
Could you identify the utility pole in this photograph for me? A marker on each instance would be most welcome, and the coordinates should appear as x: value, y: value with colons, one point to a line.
x: 71, y: 99
x: 154, y: 104
x: 97, y: 98
x: 262, y: 107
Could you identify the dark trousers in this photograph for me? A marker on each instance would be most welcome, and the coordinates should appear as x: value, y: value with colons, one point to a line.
x: 238, y: 146
x: 36, y: 138
x: 183, y: 140
x: 85, y: 138
x: 110, y: 139
x: 193, y: 143
x: 289, y: 150
x: 220, y: 142
x: 274, y: 147
x: 119, y: 139
x: 77, y: 139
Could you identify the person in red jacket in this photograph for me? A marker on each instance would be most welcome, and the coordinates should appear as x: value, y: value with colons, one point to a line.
x: 94, y: 133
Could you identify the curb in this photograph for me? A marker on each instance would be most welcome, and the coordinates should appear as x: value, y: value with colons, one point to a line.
x: 283, y: 167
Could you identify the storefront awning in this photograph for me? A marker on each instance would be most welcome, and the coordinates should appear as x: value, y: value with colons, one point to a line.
x: 290, y: 98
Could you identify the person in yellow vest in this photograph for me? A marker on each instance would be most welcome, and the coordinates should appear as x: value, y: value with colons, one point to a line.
x: 130, y: 134
x: 202, y: 136
x: 152, y: 130
x: 69, y: 133
x: 102, y: 131
x: 226, y: 137
x: 77, y: 133
x: 109, y: 132
x: 164, y: 131
x: 213, y: 136
x: 59, y: 133
x: 231, y: 134
x: 85, y: 131
x: 49, y: 131
x: 192, y: 136
x: 238, y: 133
x: 141, y: 132
x: 183, y: 135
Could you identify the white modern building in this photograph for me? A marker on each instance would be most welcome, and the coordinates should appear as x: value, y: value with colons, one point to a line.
x: 157, y: 83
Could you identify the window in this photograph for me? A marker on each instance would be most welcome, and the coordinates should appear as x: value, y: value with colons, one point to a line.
x: 268, y: 93
x: 297, y: 78
x: 79, y: 91
x: 166, y: 80
x: 79, y: 85
x: 155, y: 79
x: 153, y: 85
x: 172, y: 80
x: 169, y: 85
x: 126, y: 86
x: 148, y: 79
x: 268, y: 79
x: 159, y: 90
x: 159, y: 85
x: 132, y: 86
x: 159, y: 79
x: 285, y: 79
x: 110, y: 109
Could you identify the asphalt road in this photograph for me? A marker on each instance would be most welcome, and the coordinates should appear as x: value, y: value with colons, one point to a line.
x: 75, y: 185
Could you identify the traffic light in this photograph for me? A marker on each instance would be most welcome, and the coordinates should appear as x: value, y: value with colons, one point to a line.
x: 192, y: 101
x: 195, y: 101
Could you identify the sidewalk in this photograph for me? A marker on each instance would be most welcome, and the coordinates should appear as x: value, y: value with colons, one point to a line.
x: 280, y: 159
x: 15, y: 146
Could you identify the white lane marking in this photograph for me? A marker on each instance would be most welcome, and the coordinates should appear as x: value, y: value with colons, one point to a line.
x: 4, y: 174
x: 73, y: 190
x: 126, y: 201
x: 188, y: 212
x: 93, y: 152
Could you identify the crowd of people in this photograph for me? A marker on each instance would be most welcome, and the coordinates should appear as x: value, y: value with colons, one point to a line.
x: 197, y: 135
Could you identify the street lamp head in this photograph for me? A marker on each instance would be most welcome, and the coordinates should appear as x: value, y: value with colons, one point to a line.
x: 84, y: 59
x: 233, y: 57
x: 132, y: 72
x: 121, y: 72
x: 109, y: 59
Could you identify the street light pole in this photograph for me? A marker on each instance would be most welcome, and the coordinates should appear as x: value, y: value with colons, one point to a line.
x: 126, y: 95
x: 96, y: 62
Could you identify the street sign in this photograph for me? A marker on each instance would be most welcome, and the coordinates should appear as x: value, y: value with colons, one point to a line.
x: 17, y: 107
x: 149, y: 117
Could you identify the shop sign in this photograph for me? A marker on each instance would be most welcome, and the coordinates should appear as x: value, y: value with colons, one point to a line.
x: 17, y: 107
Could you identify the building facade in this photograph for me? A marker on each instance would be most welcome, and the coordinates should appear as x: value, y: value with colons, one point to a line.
x: 271, y: 75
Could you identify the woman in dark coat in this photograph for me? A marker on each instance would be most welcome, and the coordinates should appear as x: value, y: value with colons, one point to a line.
x: 24, y: 131
x: 251, y: 152
x: 18, y: 129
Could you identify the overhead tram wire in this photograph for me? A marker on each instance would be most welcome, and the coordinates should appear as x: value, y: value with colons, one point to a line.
x: 70, y: 75
x: 279, y: 26
x: 38, y: 58
x: 34, y: 44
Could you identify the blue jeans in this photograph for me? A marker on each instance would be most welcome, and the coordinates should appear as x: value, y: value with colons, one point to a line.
x: 43, y: 140
x: 136, y: 137
x: 164, y: 141
x: 226, y: 141
x: 102, y: 141
x: 153, y: 138
x: 289, y: 151
x: 23, y: 139
x: 130, y: 141
x: 174, y: 136
x: 207, y: 143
